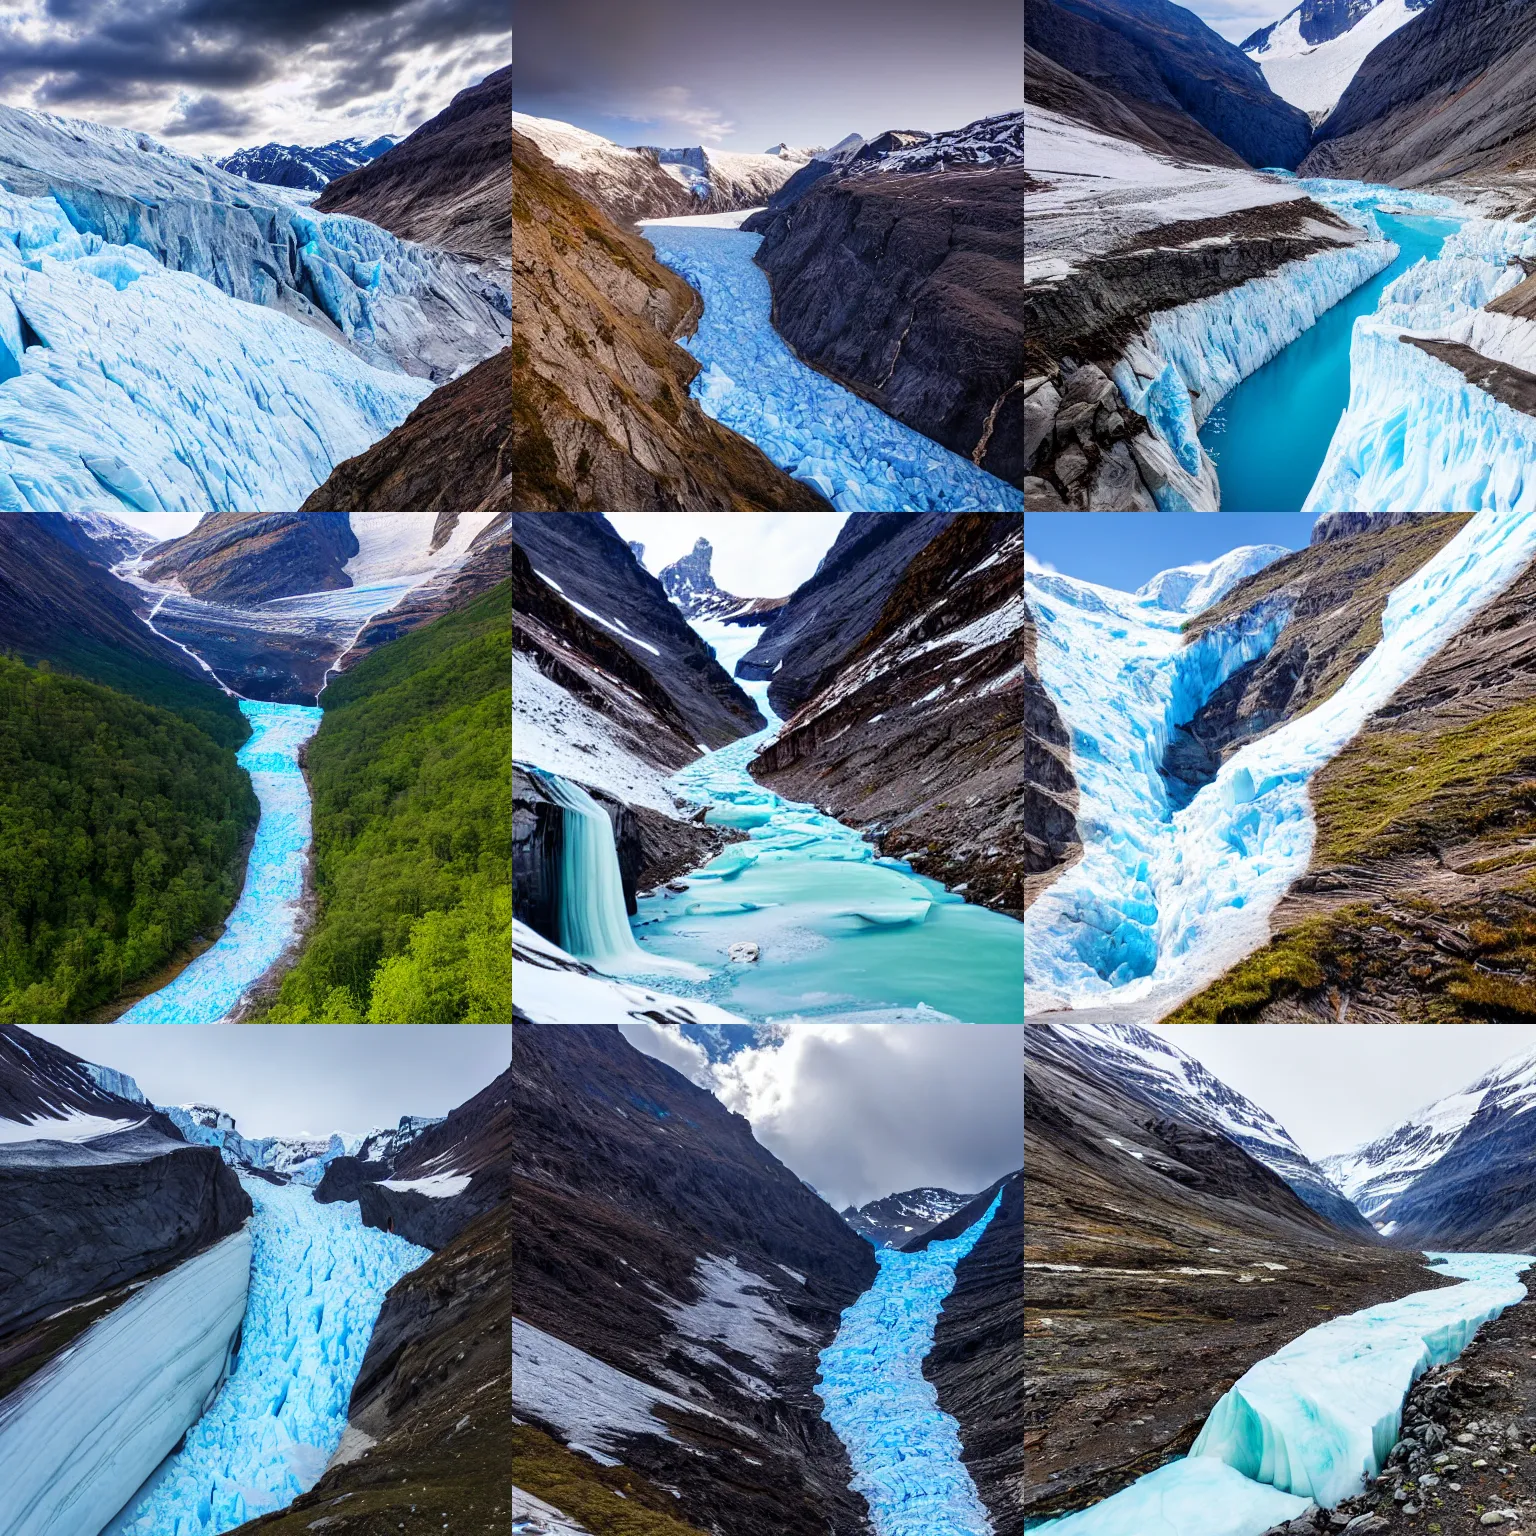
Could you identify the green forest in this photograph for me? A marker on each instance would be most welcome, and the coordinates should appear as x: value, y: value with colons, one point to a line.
x: 411, y: 777
x: 122, y: 835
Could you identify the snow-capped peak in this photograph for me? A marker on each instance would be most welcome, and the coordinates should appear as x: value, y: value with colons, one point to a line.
x: 1193, y: 588
x: 1372, y: 1175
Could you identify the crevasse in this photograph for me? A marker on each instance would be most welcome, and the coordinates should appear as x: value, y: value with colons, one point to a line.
x: 1310, y: 1422
x: 904, y: 1449
x: 318, y: 1279
x: 1234, y: 849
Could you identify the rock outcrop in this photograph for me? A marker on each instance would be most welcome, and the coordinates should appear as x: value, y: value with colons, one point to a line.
x: 454, y: 450
x: 601, y: 411
x: 1109, y: 1403
x: 1163, y: 55
x: 903, y: 285
x: 1446, y: 95
x: 977, y: 1359
x: 252, y: 557
x: 1050, y: 791
x: 634, y: 1229
x: 914, y: 734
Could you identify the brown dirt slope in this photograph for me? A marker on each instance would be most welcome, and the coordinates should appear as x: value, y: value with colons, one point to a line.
x: 601, y: 414
x: 1153, y: 1283
x: 454, y: 451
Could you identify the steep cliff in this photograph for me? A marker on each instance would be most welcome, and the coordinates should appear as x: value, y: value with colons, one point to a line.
x: 915, y: 732
x: 1050, y: 792
x: 252, y: 557
x: 671, y: 1261
x: 601, y: 412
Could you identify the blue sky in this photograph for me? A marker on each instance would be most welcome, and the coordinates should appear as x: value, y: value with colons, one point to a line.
x: 1235, y: 19
x: 1123, y: 549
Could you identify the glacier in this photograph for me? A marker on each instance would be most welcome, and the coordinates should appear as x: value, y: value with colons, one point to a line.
x: 1162, y: 902
x: 1310, y: 1422
x: 317, y: 1280
x: 904, y: 1449
x: 265, y: 920
x: 79, y: 1437
x: 857, y: 457
x: 124, y: 385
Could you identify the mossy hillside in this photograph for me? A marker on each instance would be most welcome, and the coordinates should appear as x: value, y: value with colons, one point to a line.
x: 1295, y: 962
x: 411, y: 775
x: 122, y: 829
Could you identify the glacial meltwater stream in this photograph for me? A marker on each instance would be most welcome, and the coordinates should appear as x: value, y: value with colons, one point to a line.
x: 1310, y: 1422
x: 1269, y: 436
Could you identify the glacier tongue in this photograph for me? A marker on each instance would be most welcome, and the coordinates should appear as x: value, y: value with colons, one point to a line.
x: 126, y: 385
x: 1158, y: 906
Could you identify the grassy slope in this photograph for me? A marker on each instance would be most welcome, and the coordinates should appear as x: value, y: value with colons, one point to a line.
x: 411, y: 774
x: 121, y: 827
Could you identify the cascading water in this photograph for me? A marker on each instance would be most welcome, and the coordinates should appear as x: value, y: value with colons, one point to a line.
x: 1310, y: 1422
x: 904, y: 1449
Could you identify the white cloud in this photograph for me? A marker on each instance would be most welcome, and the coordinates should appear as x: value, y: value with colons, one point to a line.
x: 1039, y: 567
x: 164, y: 525
x: 677, y: 104
x: 865, y: 1110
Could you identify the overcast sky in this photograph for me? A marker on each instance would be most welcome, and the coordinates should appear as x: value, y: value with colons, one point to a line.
x: 866, y: 1110
x: 211, y: 76
x: 746, y: 76
x: 1338, y: 1086
x: 756, y: 554
x: 164, y: 525
x: 1237, y: 19
x: 294, y: 1080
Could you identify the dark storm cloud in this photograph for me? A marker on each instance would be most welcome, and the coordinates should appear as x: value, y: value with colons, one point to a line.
x: 111, y: 50
x: 207, y: 114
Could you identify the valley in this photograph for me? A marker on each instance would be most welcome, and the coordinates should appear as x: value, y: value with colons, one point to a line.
x: 1205, y: 260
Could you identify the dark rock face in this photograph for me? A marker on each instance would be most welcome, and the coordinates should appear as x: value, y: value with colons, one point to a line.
x: 614, y: 1214
x: 915, y: 734
x: 344, y: 1177
x: 1089, y: 1203
x: 602, y: 417
x: 690, y: 584
x: 538, y: 841
x: 251, y: 557
x: 827, y: 616
x: 454, y: 449
x: 1050, y: 791
x: 977, y: 1360
x: 83, y: 1217
x: 894, y: 1220
x: 595, y: 568
x: 1173, y: 60
x: 904, y: 287
x: 1446, y: 95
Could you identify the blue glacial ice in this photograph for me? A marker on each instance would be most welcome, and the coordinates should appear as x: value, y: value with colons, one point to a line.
x: 904, y: 1449
x: 266, y: 918
x: 1161, y: 903
x: 857, y: 457
x: 1416, y: 434
x: 78, y: 1438
x: 318, y: 1279
x: 124, y: 385
x: 1310, y: 1422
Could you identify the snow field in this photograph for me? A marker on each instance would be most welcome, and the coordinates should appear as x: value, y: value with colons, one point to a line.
x: 905, y: 1451
x: 79, y: 1437
x: 1313, y: 76
x: 318, y: 1279
x: 855, y: 455
x: 1202, y: 883
x: 69, y: 1125
x: 266, y: 918
x: 123, y: 384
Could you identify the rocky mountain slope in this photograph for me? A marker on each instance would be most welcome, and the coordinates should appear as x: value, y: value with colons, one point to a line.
x: 690, y: 584
x: 1164, y: 1261
x: 453, y: 450
x: 308, y: 167
x: 242, y: 557
x: 1417, y: 904
x: 913, y: 730
x: 675, y: 1285
x: 894, y: 1220
x: 1050, y: 792
x: 58, y: 603
x: 977, y: 1360
x: 1445, y: 96
x: 601, y: 412
x: 898, y: 278
x: 427, y: 1420
x: 1164, y: 56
